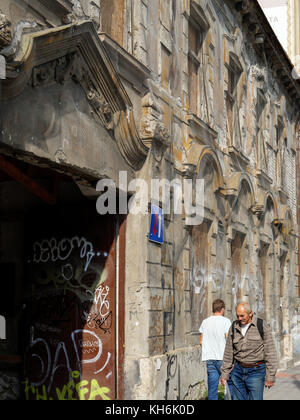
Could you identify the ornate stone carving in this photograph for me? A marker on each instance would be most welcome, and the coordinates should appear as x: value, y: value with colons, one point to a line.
x: 151, y: 126
x: 70, y: 67
x: 102, y: 107
x: 5, y: 31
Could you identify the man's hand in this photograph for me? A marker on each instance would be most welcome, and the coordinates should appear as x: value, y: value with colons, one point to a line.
x: 269, y: 384
x: 223, y: 382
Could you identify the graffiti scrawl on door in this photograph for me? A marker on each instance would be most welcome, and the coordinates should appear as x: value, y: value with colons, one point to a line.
x: 70, y: 312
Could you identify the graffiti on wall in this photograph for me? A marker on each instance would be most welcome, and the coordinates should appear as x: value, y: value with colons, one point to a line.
x: 70, y: 310
x: 48, y: 367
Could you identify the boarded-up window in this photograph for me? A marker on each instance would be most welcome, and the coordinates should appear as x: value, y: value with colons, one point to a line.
x: 112, y: 19
x: 281, y: 145
x: 237, y: 261
x: 263, y: 266
x: 234, y: 75
x: 194, y: 64
x: 262, y: 158
x: 166, y: 62
x: 200, y: 275
x: 198, y: 27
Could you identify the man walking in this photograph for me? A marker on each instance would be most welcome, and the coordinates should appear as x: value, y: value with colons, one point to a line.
x: 213, y: 334
x: 250, y: 356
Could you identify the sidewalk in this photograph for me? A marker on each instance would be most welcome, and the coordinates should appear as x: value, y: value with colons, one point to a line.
x: 287, y: 386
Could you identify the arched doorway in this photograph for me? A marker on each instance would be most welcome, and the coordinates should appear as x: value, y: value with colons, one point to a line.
x: 208, y: 243
x: 242, y: 242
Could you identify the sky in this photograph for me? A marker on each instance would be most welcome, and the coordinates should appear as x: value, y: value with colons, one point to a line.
x: 277, y: 14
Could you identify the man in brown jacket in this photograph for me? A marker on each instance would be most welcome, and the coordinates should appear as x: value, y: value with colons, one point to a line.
x: 250, y: 356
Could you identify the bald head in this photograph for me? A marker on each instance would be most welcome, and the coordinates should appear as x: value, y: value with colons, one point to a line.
x: 245, y: 306
x: 244, y: 313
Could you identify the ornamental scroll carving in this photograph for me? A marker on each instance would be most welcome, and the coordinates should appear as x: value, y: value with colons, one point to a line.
x: 151, y: 126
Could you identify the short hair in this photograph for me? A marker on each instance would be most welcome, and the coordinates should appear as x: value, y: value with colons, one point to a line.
x: 246, y: 307
x: 218, y: 305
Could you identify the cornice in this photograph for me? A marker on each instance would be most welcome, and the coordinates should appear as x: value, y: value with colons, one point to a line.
x: 263, y: 39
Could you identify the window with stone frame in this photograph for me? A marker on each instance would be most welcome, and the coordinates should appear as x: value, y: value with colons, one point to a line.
x: 200, y: 274
x: 198, y: 27
x: 235, y: 71
x: 284, y: 157
x: 166, y: 63
x: 261, y: 146
x: 281, y: 146
x: 263, y: 274
x: 237, y: 265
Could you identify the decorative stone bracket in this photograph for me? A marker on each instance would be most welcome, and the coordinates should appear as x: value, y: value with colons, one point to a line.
x: 152, y: 129
x: 257, y: 210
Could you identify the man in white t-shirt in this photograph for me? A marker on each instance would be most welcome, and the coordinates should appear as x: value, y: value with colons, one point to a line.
x: 213, y: 335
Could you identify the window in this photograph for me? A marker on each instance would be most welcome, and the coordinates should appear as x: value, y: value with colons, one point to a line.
x: 260, y: 106
x: 112, y: 19
x: 238, y: 246
x: 279, y: 131
x: 193, y: 64
x: 235, y: 70
x: 261, y: 146
x: 166, y: 62
x: 200, y: 274
x: 198, y: 27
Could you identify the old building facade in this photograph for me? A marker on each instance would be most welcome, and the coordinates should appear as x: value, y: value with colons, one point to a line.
x: 157, y: 90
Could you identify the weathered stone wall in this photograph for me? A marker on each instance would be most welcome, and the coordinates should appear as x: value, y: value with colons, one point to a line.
x: 247, y: 157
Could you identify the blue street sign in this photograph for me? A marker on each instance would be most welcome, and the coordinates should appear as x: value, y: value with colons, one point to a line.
x: 157, y: 225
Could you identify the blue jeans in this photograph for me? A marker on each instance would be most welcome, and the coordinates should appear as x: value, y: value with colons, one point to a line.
x: 248, y: 383
x: 213, y: 378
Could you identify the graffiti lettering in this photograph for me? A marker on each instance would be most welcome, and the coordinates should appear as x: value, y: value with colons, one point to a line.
x: 39, y: 350
x: 102, y: 304
x: 100, y: 316
x: 83, y: 390
x: 52, y: 250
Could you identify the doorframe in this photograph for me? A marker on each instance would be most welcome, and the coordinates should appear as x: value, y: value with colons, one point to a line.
x: 120, y: 303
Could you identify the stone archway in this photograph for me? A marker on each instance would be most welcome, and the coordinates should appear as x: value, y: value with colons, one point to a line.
x: 287, y: 285
x: 208, y: 242
x: 267, y: 263
x: 242, y: 241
